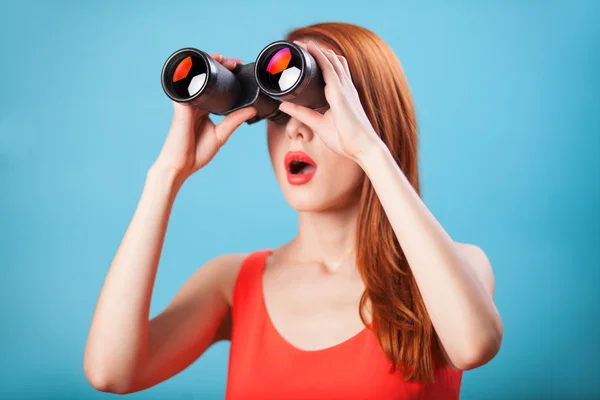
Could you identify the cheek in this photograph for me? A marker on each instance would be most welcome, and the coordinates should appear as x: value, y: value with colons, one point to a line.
x: 344, y: 175
x: 356, y: 175
x: 274, y: 139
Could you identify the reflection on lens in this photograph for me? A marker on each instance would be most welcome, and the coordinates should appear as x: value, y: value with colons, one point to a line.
x: 182, y: 69
x: 196, y: 84
x: 282, y: 70
x: 189, y: 76
x: 280, y: 61
x: 288, y: 78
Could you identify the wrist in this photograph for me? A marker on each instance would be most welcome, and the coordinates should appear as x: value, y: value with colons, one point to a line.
x: 372, y: 149
x: 165, y: 177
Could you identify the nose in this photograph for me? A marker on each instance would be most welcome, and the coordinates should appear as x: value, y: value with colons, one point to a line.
x: 296, y: 130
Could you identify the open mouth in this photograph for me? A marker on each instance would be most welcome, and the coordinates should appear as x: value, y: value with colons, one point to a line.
x: 299, y: 163
x: 301, y: 167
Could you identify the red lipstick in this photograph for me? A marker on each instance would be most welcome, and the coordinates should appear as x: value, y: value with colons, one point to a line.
x: 300, y: 167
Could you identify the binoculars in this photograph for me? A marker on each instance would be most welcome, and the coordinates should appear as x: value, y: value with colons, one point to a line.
x: 283, y: 71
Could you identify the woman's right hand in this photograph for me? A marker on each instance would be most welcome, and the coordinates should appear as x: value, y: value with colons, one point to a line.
x: 193, y: 139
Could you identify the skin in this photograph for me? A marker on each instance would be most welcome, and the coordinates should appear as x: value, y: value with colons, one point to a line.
x: 310, y: 281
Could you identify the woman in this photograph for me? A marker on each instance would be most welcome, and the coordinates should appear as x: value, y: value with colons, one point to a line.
x: 371, y: 300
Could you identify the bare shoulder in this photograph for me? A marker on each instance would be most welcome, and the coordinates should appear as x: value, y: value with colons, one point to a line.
x: 214, y: 278
x: 480, y: 262
x: 227, y: 267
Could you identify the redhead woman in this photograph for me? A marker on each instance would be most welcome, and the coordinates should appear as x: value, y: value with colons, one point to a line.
x: 372, y: 299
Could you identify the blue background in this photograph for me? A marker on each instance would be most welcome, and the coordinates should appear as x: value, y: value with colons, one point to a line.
x: 508, y: 98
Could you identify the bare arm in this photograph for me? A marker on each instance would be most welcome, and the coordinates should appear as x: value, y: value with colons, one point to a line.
x: 118, y: 334
x: 455, y: 279
x: 126, y: 352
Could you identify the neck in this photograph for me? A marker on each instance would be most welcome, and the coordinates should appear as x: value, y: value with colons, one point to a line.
x: 327, y: 237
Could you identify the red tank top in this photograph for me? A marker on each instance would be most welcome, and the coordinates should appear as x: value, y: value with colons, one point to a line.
x: 264, y: 366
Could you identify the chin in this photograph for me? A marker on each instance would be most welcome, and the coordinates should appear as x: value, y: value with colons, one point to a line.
x: 304, y: 199
x: 321, y: 193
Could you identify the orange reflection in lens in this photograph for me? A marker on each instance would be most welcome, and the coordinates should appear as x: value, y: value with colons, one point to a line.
x: 182, y: 69
x: 280, y: 61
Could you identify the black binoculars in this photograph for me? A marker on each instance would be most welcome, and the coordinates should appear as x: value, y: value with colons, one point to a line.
x: 283, y: 71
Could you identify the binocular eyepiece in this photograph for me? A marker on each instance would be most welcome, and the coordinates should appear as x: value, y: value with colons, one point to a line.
x: 283, y: 71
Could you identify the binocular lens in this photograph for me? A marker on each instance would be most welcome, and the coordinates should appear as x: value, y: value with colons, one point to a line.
x: 283, y: 71
x: 287, y: 72
x: 280, y: 68
x: 186, y: 76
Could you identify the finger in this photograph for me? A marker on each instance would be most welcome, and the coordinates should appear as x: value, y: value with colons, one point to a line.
x: 329, y: 74
x: 181, y: 109
x: 231, y: 122
x: 186, y: 113
x: 346, y: 67
x: 335, y: 62
x: 305, y: 115
x: 220, y: 57
x: 301, y: 44
x: 229, y: 63
x: 342, y: 59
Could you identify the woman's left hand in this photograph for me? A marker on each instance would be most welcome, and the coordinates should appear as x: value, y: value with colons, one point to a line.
x: 344, y: 127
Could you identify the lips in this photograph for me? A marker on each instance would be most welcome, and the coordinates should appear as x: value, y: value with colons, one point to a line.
x: 300, y: 167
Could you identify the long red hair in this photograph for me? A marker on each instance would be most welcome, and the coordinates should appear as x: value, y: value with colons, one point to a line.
x: 400, y: 319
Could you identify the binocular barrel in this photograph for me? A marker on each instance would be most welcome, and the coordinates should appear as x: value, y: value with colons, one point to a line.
x: 283, y: 71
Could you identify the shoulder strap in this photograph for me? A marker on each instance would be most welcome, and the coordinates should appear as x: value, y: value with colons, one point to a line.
x: 246, y: 291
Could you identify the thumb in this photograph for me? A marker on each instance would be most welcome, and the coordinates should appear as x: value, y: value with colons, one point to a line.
x: 184, y: 117
x: 231, y: 122
x: 182, y: 110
